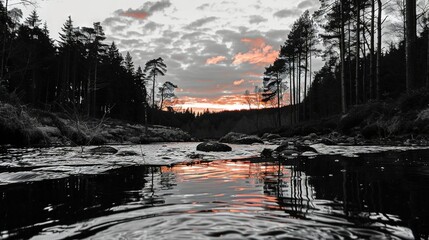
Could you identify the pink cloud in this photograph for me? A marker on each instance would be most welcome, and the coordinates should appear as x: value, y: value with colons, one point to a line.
x: 215, y: 60
x: 137, y: 14
x: 238, y: 82
x: 259, y: 54
x: 223, y: 103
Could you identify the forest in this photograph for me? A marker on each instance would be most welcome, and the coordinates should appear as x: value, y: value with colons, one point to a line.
x: 83, y: 74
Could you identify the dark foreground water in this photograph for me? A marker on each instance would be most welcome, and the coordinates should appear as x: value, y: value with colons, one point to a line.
x: 374, y: 196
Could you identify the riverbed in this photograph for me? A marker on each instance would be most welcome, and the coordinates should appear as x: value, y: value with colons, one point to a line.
x: 171, y: 191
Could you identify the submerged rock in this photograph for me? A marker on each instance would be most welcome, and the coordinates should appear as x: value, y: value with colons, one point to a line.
x: 213, y: 147
x: 291, y: 149
x: 126, y: 153
x: 266, y: 153
x: 240, y: 138
x: 103, y: 150
x: 270, y: 136
x: 249, y: 140
x: 231, y: 137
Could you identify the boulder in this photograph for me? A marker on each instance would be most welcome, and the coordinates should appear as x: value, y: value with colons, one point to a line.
x: 266, y: 153
x: 213, y: 147
x: 270, y: 136
x: 328, y: 141
x: 249, y: 140
x: 195, y: 156
x: 240, y: 138
x: 103, y: 150
x: 292, y: 150
x: 232, y: 137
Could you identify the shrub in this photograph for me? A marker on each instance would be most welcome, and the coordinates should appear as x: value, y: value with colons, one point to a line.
x: 417, y: 99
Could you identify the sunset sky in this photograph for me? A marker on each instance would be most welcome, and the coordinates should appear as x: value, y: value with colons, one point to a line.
x: 214, y: 50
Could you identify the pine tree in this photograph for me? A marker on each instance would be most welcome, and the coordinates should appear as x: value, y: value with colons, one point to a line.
x: 33, y: 21
x: 128, y: 62
x: 154, y: 68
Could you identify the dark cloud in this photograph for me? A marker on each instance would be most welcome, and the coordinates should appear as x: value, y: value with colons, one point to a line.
x: 193, y: 36
x: 203, y: 6
x: 311, y: 5
x: 256, y: 19
x: 134, y: 34
x: 287, y: 13
x: 212, y: 48
x: 200, y: 22
x: 277, y: 35
x: 157, y: 6
x: 130, y: 43
x: 305, y: 4
x: 152, y: 26
x: 145, y: 11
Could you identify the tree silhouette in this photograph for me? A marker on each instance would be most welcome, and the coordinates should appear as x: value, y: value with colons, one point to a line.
x: 166, y: 93
x: 154, y: 68
x: 272, y: 85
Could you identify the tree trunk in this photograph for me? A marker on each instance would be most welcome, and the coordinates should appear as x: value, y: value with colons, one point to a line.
x: 153, y: 91
x: 343, y: 87
x: 371, y: 52
x: 357, y: 60
x: 3, y: 51
x: 278, y: 101
x: 94, y: 101
x: 293, y: 87
x: 364, y: 92
x: 379, y: 39
x: 290, y: 92
x: 305, y: 78
x: 299, y: 86
x: 349, y: 60
x: 427, y: 57
x: 410, y: 44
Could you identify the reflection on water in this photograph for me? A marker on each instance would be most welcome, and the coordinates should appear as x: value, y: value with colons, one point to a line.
x: 374, y: 196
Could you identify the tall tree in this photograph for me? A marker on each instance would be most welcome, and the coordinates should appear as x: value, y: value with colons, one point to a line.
x: 410, y: 44
x: 273, y: 84
x: 357, y: 54
x: 379, y: 41
x: 154, y: 68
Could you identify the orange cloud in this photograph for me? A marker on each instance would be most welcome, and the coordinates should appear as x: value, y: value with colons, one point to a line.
x: 253, y: 74
x: 223, y: 103
x: 238, y: 82
x: 215, y: 60
x: 137, y: 14
x: 260, y: 53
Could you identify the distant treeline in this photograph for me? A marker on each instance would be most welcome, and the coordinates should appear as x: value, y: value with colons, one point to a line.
x: 80, y: 73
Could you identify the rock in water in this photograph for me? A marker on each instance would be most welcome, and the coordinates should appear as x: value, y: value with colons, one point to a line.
x: 127, y: 153
x: 232, y: 137
x: 266, y: 153
x: 240, y: 138
x: 103, y: 150
x: 249, y: 140
x: 213, y: 147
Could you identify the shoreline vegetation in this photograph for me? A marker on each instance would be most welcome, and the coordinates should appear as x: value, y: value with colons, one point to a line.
x: 393, y: 122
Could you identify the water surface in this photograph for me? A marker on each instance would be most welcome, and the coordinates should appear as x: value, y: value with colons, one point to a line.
x: 374, y: 196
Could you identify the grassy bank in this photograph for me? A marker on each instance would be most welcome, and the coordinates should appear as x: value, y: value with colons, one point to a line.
x: 406, y: 118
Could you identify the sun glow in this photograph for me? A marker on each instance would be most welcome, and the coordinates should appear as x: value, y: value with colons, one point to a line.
x: 223, y: 103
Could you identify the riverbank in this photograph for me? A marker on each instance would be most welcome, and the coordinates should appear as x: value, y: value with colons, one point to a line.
x: 22, y: 126
x: 404, y: 121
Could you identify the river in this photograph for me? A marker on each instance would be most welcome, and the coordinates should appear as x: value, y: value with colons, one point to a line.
x: 371, y: 195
